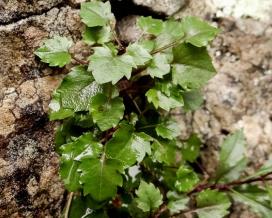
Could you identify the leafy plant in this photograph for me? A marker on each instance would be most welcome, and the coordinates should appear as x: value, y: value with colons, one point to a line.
x: 119, y: 147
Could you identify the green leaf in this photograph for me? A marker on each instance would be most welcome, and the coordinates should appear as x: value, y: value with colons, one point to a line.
x: 176, y: 202
x: 172, y: 32
x: 192, y: 100
x: 212, y: 203
x: 266, y: 168
x: 186, y: 179
x: 96, y: 13
x: 83, y: 147
x: 150, y: 25
x: 127, y: 146
x: 168, y: 130
x: 164, y: 151
x: 257, y: 205
x: 159, y: 66
x: 139, y: 54
x: 55, y: 51
x: 193, y: 67
x: 190, y: 148
x: 160, y: 99
x: 106, y: 112
x: 77, y: 88
x: 148, y: 197
x: 232, y: 157
x: 97, y: 35
x: 100, y: 178
x: 198, y: 32
x: 107, y: 67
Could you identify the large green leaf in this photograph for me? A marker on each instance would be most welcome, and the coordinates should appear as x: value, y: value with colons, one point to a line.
x: 55, y: 51
x: 168, y: 130
x: 106, y: 66
x: 77, y: 88
x: 211, y: 203
x: 100, y: 177
x: 150, y: 25
x: 198, y: 32
x: 127, y: 146
x: 159, y: 66
x: 193, y: 67
x: 186, y: 179
x: 148, y: 197
x: 106, y: 112
x: 83, y: 147
x: 232, y: 157
x: 96, y: 13
x: 139, y: 54
x: 97, y: 35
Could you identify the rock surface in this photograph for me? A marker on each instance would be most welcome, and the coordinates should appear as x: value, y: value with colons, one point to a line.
x: 238, y: 97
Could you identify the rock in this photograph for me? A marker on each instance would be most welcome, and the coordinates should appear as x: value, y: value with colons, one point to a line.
x: 167, y: 7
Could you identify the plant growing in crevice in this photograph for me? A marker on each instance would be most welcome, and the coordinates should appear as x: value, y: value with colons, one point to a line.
x: 119, y: 145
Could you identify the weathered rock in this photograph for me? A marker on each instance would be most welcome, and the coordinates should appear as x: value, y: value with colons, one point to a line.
x: 167, y: 7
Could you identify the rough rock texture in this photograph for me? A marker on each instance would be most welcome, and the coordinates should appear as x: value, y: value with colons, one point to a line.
x: 29, y: 181
x: 238, y: 97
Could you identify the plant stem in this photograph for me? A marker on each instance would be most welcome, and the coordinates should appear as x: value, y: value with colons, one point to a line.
x: 83, y: 62
x: 68, y: 204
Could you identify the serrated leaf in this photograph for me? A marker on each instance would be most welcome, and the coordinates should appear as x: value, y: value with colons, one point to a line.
x: 107, y: 67
x: 77, y: 88
x: 192, y: 100
x: 159, y: 99
x: 106, y: 112
x: 55, y: 51
x: 198, y: 32
x: 83, y: 147
x: 212, y: 203
x: 96, y: 13
x: 127, y: 146
x: 193, y: 67
x: 177, y: 202
x: 258, y: 206
x: 164, y: 151
x: 168, y: 130
x: 232, y: 157
x: 100, y: 178
x: 97, y: 35
x: 190, y: 148
x: 186, y: 179
x: 138, y: 53
x: 150, y: 25
x: 148, y: 197
x: 159, y: 66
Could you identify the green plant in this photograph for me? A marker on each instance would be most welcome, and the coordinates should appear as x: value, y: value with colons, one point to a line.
x: 119, y: 146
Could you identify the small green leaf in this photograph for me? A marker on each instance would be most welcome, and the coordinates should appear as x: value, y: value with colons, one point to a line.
x: 177, y: 202
x: 127, y: 146
x: 100, y: 178
x: 192, y: 100
x: 97, y: 35
x: 164, y: 151
x: 212, y: 203
x: 107, y: 67
x: 96, y: 13
x: 55, y: 51
x: 198, y: 32
x: 150, y: 25
x: 139, y: 54
x: 159, y: 66
x: 232, y: 157
x: 193, y: 66
x: 106, y: 112
x: 186, y: 179
x: 148, y: 197
x: 168, y: 130
x: 83, y: 147
x: 190, y: 148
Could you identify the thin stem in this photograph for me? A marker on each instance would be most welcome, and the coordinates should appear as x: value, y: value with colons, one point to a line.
x: 83, y: 62
x: 135, y: 104
x: 68, y: 204
x: 167, y: 46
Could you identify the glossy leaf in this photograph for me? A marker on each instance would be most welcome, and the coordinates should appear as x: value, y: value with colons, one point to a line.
x: 148, y: 197
x: 55, y: 51
x: 106, y: 112
x: 186, y: 179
